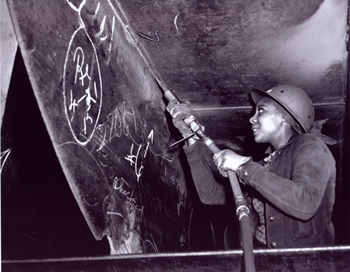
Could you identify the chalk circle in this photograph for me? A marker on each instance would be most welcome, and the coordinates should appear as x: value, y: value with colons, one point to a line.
x: 82, y: 94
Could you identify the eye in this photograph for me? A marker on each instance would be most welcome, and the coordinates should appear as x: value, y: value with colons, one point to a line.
x: 260, y: 111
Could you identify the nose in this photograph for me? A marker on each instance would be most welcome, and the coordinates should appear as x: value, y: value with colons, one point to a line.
x: 252, y: 119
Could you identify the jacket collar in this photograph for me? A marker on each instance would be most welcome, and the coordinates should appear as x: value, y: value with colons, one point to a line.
x: 291, y: 140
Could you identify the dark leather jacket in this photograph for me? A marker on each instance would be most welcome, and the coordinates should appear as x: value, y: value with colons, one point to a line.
x: 298, y: 190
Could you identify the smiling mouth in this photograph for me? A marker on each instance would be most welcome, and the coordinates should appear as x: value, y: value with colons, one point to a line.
x: 254, y: 130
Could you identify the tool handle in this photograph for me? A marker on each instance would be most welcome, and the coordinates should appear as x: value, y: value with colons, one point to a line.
x: 242, y: 212
x: 170, y: 96
x: 242, y: 209
x: 237, y: 192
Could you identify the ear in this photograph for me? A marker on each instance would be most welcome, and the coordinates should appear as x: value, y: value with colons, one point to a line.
x: 282, y: 117
x: 285, y: 124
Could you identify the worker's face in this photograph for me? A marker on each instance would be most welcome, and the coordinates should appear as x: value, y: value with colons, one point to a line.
x: 266, y: 122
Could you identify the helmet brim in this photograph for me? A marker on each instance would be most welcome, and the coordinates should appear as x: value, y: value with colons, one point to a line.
x: 257, y: 94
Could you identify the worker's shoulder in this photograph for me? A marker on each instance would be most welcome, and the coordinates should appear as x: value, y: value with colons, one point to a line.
x: 310, y: 140
x: 309, y: 136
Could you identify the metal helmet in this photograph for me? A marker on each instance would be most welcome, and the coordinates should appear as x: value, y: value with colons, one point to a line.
x: 295, y: 100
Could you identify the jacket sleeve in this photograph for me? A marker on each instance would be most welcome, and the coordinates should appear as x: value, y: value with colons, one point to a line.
x: 203, y: 174
x: 311, y: 165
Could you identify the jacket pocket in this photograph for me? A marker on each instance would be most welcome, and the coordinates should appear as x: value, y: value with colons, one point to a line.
x: 303, y: 230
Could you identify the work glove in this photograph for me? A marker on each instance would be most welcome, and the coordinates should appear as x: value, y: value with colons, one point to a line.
x: 229, y: 160
x: 180, y: 111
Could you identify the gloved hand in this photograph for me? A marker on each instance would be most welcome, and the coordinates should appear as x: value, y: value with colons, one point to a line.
x: 180, y: 111
x: 229, y: 160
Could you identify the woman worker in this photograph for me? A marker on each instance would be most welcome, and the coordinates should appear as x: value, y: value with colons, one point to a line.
x: 294, y: 187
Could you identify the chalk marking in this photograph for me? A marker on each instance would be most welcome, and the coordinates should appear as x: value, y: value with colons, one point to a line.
x: 134, y: 160
x: 72, y: 104
x: 82, y: 77
x: 74, y: 7
x: 102, y: 27
x: 175, y: 23
x: 118, y: 185
x: 116, y: 213
x: 90, y: 205
x: 116, y: 126
x: 97, y: 8
x: 149, y: 140
x: 153, y: 245
x: 4, y: 156
x: 157, y: 39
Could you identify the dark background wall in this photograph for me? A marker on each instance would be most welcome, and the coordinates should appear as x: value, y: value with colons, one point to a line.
x: 39, y: 216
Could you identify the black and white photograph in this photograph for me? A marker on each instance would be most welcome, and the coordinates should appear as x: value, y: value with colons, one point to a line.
x: 175, y: 135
